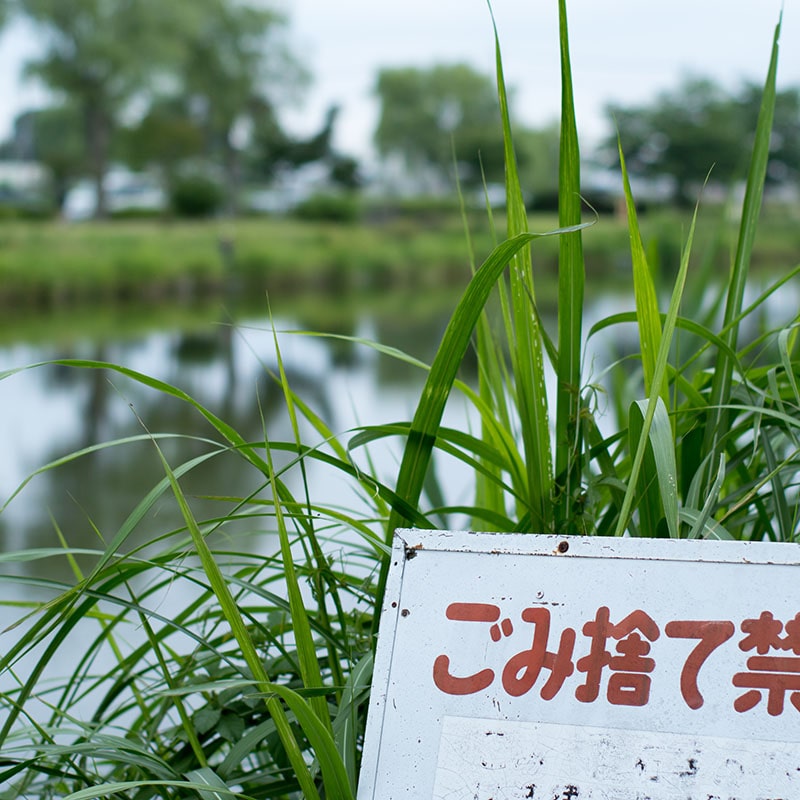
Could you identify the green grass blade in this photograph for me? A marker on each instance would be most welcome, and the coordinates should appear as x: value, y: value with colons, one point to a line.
x: 186, y: 723
x: 571, y: 279
x: 124, y: 531
x: 93, y: 449
x: 525, y: 344
x: 206, y: 776
x: 781, y: 510
x: 703, y: 525
x: 304, y: 640
x: 708, y: 528
x: 754, y: 190
x: 492, y: 380
x: 689, y: 325
x: 784, y: 348
x: 442, y: 374
x: 242, y: 635
x: 647, y: 315
x: 346, y: 725
x: 306, y: 648
x: 658, y: 377
x: 111, y: 789
x: 334, y: 774
x: 659, y: 477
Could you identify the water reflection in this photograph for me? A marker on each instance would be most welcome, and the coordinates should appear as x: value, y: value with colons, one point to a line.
x: 52, y: 411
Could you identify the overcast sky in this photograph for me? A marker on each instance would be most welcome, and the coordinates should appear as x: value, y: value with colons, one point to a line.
x: 622, y: 50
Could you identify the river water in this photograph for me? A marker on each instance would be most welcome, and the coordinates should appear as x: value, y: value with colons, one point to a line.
x: 49, y: 412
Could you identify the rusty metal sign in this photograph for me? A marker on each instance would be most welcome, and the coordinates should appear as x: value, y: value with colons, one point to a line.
x: 512, y: 666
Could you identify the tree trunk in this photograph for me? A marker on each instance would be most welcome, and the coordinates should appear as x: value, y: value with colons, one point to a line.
x: 231, y: 177
x: 683, y: 198
x: 98, y: 134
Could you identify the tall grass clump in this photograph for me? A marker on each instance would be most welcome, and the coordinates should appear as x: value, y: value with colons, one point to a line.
x: 257, y: 686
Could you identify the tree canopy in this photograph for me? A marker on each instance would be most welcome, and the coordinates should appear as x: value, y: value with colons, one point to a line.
x: 53, y: 137
x: 98, y: 54
x: 202, y: 82
x: 166, y: 136
x: 427, y: 113
x: 198, y: 67
x: 699, y: 127
x: 235, y: 64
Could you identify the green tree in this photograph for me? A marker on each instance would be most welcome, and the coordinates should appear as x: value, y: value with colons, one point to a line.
x: 165, y: 138
x: 220, y: 55
x: 54, y: 137
x: 235, y: 64
x: 274, y: 149
x: 537, y: 157
x: 699, y: 127
x: 98, y: 55
x: 682, y: 134
x: 345, y: 172
x: 424, y: 113
x: 784, y: 149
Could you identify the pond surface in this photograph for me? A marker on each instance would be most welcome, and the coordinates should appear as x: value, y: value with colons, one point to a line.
x: 51, y: 411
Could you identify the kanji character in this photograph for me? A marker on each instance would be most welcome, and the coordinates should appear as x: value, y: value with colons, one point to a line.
x: 776, y: 675
x: 711, y: 633
x: 630, y: 683
x: 763, y: 633
x: 792, y: 639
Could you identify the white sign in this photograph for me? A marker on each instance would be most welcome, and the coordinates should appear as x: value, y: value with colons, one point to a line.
x: 513, y: 666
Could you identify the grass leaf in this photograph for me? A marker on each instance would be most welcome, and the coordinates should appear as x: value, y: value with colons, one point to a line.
x: 723, y: 372
x: 571, y: 279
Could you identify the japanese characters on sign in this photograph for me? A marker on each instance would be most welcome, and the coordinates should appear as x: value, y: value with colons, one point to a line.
x: 774, y: 671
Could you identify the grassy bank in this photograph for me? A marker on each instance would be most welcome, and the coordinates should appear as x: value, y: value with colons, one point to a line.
x: 52, y: 265
x: 58, y: 264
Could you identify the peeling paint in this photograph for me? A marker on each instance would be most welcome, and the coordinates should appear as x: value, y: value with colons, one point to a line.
x: 566, y: 762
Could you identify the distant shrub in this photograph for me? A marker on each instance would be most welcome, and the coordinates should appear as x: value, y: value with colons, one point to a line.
x: 196, y: 196
x: 36, y: 212
x: 544, y: 202
x: 422, y: 210
x: 137, y: 213
x: 15, y: 211
x: 329, y: 208
x: 426, y: 205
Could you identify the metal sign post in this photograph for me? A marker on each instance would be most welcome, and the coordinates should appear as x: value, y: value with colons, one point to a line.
x: 552, y: 668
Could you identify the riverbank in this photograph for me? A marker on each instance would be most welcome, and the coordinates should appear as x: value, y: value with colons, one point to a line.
x: 50, y: 266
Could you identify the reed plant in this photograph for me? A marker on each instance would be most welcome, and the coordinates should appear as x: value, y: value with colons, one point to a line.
x: 257, y: 687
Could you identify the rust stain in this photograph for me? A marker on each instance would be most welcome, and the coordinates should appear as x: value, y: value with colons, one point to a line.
x: 412, y: 550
